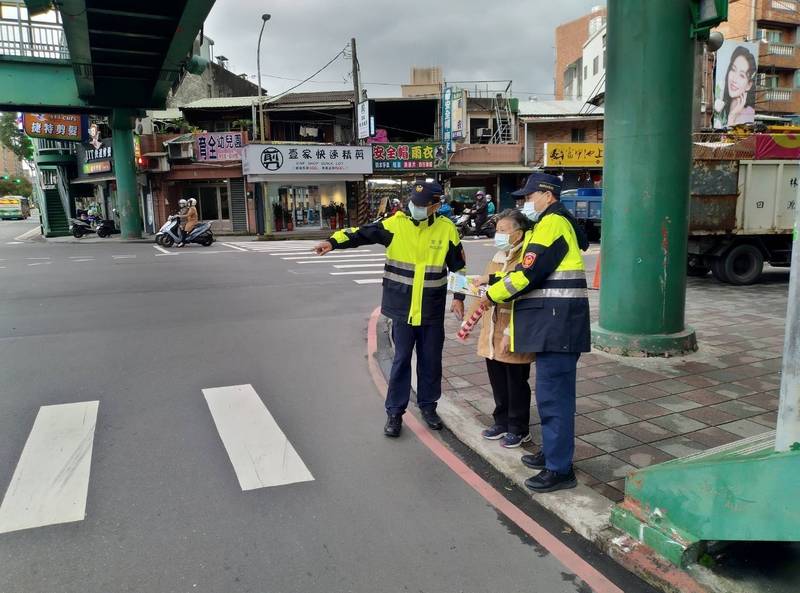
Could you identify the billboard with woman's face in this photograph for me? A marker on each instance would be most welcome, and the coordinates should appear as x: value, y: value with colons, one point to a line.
x: 735, y: 84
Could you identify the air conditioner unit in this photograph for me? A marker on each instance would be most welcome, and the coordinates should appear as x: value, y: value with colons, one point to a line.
x: 483, y: 134
x: 182, y: 150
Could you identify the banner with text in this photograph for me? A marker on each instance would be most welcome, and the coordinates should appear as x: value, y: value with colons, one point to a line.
x: 283, y: 159
x: 409, y: 157
x: 573, y: 154
x: 55, y: 126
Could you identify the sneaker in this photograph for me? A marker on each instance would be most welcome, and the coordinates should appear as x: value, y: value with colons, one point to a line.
x: 495, y: 433
x: 512, y: 441
x: 394, y: 423
x: 536, y: 461
x: 432, y: 419
x: 550, y: 481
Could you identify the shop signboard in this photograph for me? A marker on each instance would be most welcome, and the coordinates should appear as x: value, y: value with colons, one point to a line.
x: 55, y: 126
x: 409, y: 157
x: 218, y: 146
x: 447, y: 118
x: 458, y: 110
x: 777, y: 146
x: 364, y: 127
x: 96, y: 167
x: 573, y: 154
x: 301, y: 159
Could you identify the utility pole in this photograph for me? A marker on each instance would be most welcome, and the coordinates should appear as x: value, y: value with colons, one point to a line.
x: 356, y: 88
x: 648, y: 116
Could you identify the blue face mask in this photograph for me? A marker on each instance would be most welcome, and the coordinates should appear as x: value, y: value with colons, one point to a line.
x: 502, y: 241
x: 418, y: 212
x: 529, y: 210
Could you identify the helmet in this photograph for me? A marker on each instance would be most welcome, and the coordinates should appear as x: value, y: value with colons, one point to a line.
x: 480, y: 193
x: 395, y: 202
x: 182, y: 203
x: 192, y: 202
x: 92, y: 212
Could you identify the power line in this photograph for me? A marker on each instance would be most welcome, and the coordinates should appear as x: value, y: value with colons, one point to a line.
x: 331, y: 61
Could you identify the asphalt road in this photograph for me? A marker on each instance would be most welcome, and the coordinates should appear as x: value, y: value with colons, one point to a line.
x: 143, y: 334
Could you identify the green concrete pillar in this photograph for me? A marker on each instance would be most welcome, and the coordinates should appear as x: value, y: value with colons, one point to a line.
x: 648, y: 124
x: 125, y: 172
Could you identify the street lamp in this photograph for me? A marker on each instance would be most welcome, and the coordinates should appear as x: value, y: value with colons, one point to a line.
x: 264, y: 19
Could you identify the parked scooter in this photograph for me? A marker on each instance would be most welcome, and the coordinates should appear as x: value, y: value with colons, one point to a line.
x: 170, y: 234
x: 81, y: 226
x: 466, y: 225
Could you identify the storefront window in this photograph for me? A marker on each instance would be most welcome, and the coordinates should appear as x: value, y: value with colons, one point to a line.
x: 209, y: 209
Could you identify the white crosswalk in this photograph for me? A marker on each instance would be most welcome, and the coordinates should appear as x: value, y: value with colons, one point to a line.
x: 50, y: 483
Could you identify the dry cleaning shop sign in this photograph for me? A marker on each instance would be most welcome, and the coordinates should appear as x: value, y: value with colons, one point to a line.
x: 303, y: 159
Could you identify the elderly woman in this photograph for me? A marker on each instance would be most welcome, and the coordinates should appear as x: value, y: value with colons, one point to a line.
x: 508, y: 372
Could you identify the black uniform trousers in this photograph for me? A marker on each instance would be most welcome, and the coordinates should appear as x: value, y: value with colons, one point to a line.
x: 429, y: 342
x: 512, y: 395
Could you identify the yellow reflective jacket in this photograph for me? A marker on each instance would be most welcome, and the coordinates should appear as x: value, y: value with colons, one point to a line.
x: 548, y: 288
x: 418, y: 257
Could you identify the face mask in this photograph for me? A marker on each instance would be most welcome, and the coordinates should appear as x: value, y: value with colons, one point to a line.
x: 418, y: 212
x: 529, y: 210
x: 502, y: 241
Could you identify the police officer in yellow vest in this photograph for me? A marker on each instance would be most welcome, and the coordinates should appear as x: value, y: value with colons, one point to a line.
x: 550, y: 317
x: 421, y: 247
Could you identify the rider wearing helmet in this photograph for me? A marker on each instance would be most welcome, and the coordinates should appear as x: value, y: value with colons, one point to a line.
x: 190, y: 220
x: 396, y: 207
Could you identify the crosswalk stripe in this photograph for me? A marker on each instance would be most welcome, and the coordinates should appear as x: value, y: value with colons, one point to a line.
x: 356, y: 272
x: 232, y: 246
x: 260, y: 453
x: 354, y: 253
x: 368, y: 280
x: 51, y: 480
x: 345, y: 266
x: 340, y: 261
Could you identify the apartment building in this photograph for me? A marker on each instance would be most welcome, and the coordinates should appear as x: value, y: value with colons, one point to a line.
x: 573, y: 69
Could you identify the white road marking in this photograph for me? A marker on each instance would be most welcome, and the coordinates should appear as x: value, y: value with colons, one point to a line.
x: 51, y: 480
x: 34, y: 231
x: 14, y: 242
x: 354, y: 253
x: 84, y: 259
x: 123, y: 256
x: 37, y: 258
x: 40, y: 263
x: 345, y: 266
x: 260, y: 453
x: 340, y: 261
x: 162, y: 250
x: 356, y: 272
x: 369, y: 281
x: 232, y: 246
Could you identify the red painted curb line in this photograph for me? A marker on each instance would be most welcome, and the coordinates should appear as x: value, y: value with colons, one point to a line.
x: 585, y: 571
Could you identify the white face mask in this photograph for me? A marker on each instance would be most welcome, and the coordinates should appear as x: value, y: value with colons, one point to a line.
x: 529, y: 210
x: 502, y: 241
x: 418, y: 212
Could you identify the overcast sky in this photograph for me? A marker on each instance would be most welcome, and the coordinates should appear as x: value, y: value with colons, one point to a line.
x: 469, y: 39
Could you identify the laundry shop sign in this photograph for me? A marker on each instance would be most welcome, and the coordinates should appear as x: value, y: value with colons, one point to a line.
x: 306, y: 159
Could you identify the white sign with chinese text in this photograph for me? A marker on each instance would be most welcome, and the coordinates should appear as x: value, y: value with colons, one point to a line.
x: 363, y: 120
x: 306, y: 159
x: 218, y: 146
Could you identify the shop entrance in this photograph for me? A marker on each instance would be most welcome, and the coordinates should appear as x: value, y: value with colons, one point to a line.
x: 320, y: 206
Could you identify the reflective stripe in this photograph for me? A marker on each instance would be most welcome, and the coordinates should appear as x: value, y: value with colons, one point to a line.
x: 398, y: 278
x: 435, y: 283
x: 557, y: 293
x: 400, y: 264
x: 568, y: 275
x: 512, y: 290
x: 435, y: 269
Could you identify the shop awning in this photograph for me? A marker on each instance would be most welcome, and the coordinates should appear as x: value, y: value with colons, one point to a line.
x: 95, y: 179
x: 182, y: 139
x: 303, y: 179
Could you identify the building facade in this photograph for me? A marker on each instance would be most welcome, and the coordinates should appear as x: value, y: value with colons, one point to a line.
x: 571, y: 70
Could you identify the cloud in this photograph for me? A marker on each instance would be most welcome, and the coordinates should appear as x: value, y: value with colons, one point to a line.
x: 469, y: 39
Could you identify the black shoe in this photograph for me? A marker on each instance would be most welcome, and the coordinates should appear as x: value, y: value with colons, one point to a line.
x: 394, y: 423
x: 549, y: 481
x: 432, y: 419
x: 534, y: 461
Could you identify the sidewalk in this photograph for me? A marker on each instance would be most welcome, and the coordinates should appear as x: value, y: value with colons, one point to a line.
x: 635, y: 412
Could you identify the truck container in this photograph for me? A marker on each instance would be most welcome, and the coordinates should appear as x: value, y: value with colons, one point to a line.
x: 741, y: 215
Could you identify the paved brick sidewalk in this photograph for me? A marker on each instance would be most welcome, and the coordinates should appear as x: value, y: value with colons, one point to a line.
x: 634, y: 412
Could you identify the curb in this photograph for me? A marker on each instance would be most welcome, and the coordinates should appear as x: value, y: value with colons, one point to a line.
x: 586, y: 511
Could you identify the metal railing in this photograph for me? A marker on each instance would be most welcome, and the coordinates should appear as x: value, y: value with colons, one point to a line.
x: 33, y: 40
x: 44, y: 145
x: 780, y: 49
x: 779, y: 95
x: 787, y: 5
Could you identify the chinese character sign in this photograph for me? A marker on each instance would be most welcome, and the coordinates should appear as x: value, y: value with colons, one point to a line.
x: 285, y: 159
x: 458, y: 112
x: 55, y: 126
x: 218, y: 146
x: 408, y: 157
x: 573, y: 154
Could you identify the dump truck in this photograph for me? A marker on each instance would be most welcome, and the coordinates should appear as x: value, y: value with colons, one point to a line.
x: 741, y: 216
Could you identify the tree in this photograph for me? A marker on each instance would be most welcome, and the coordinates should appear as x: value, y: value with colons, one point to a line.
x: 15, y: 139
x: 15, y: 186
